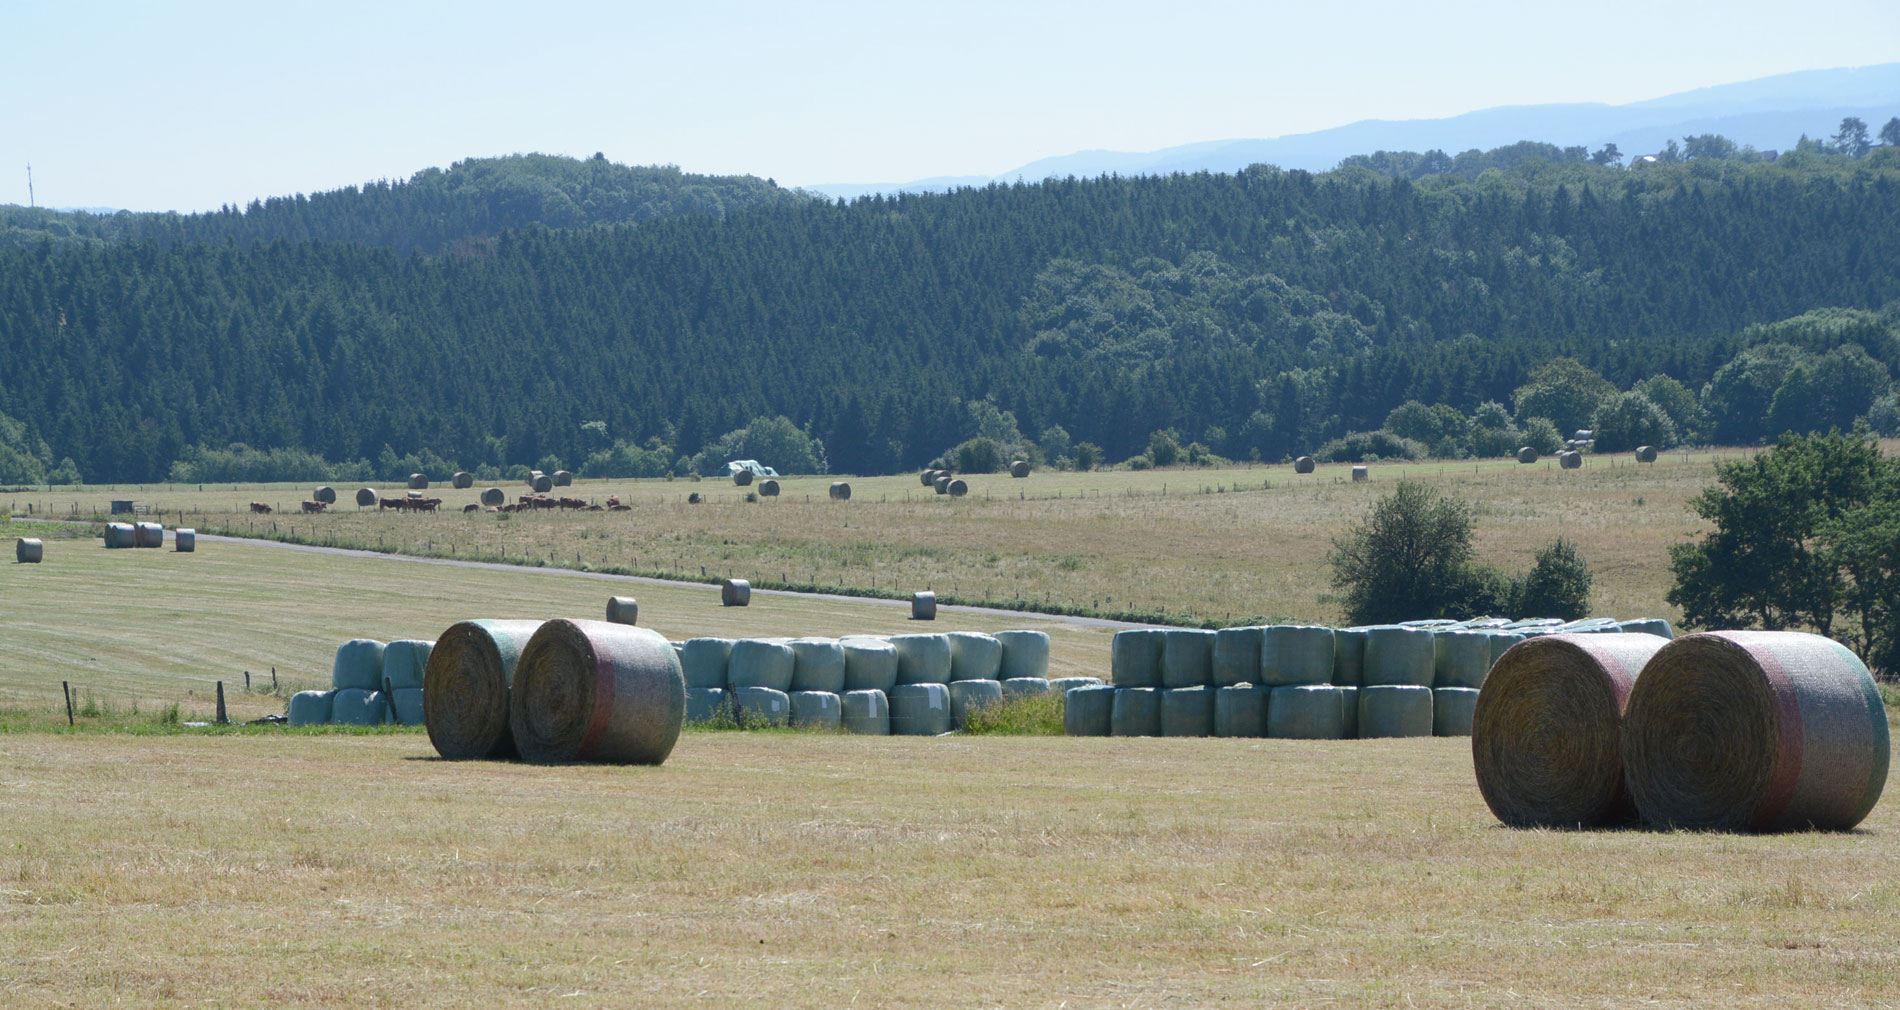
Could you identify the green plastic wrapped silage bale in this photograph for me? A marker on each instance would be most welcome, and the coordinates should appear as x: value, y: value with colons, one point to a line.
x: 870, y: 664
x: 1240, y: 710
x: 1016, y: 688
x: 920, y: 709
x: 1460, y: 658
x: 703, y: 704
x: 974, y: 656
x: 921, y: 659
x: 1135, y: 657
x: 1025, y: 655
x: 407, y: 701
x: 1501, y: 642
x: 353, y: 706
x: 818, y: 665
x: 1306, y: 712
x: 1294, y: 654
x: 1237, y: 656
x: 1137, y: 712
x: 404, y: 663
x: 1063, y: 685
x: 1088, y: 710
x: 1188, y: 711
x: 969, y: 696
x: 1349, y: 657
x: 359, y: 665
x: 1394, y: 710
x: 764, y: 705
x: 703, y: 662
x: 1649, y: 626
x: 1349, y: 704
x: 867, y: 713
x: 1451, y: 710
x: 310, y: 708
x: 1399, y: 657
x: 816, y: 710
x: 1187, y: 657
x: 758, y: 662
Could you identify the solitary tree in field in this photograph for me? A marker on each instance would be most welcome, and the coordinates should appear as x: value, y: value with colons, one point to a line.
x: 1405, y: 559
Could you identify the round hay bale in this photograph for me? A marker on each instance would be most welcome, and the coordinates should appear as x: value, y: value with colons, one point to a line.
x: 942, y: 483
x: 407, y: 702
x: 1645, y: 454
x: 418, y: 482
x: 1361, y: 475
x: 148, y: 535
x: 462, y: 481
x: 1349, y: 657
x: 491, y: 497
x: 353, y: 706
x: 465, y: 687
x: 920, y: 709
x: 310, y: 708
x: 927, y: 478
x: 704, y: 704
x: 975, y: 656
x: 734, y: 592
x: 118, y: 535
x: 923, y: 606
x: 1188, y: 711
x: 1394, y: 710
x: 366, y: 497
x: 1019, y: 468
x: 703, y: 662
x: 1306, y: 712
x: 869, y: 664
x: 623, y: 610
x: 865, y: 712
x: 969, y: 696
x: 1237, y: 656
x: 840, y: 491
x: 762, y: 706
x: 1187, y: 657
x: 1293, y: 654
x: 326, y: 495
x: 957, y: 488
x: 29, y: 551
x: 1137, y: 712
x: 562, y: 478
x: 1399, y: 656
x: 535, y: 475
x: 1762, y: 730
x: 759, y: 662
x: 742, y: 478
x: 1460, y: 658
x: 768, y: 489
x: 922, y: 659
x: 1240, y: 710
x: 1570, y: 459
x: 593, y: 691
x: 1135, y: 657
x: 1025, y: 655
x: 1015, y: 688
x: 358, y: 664
x: 542, y: 484
x: 1452, y: 708
x: 1304, y: 464
x: 406, y: 663
x: 1526, y: 454
x: 1088, y: 710
x: 817, y: 710
x: 817, y: 665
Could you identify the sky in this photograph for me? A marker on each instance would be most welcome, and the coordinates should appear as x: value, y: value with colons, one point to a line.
x: 189, y: 106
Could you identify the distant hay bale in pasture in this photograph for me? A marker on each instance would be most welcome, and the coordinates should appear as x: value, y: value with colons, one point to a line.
x: 1755, y: 730
x: 1025, y: 654
x: 491, y: 497
x: 1304, y: 464
x: 1237, y: 656
x: 1451, y: 710
x: 1015, y: 688
x: 957, y: 488
x: 1293, y: 654
x: 310, y: 708
x: 942, y: 483
x: 358, y: 664
x: 1394, y: 710
x: 869, y: 664
x: 1645, y: 454
x: 1188, y: 711
x: 821, y: 710
x: 151, y: 535
x: 975, y: 656
x: 1187, y: 657
x: 462, y: 481
x: 1526, y: 454
x: 599, y: 692
x: 970, y: 696
x: 817, y: 665
x: 119, y: 535
x: 1019, y: 468
x: 326, y: 495
x: 1571, y: 459
x: 735, y: 593
x: 366, y: 497
x: 703, y: 662
x: 865, y: 712
x: 927, y: 477
x: 406, y: 663
x: 920, y: 709
x: 542, y: 483
x: 535, y: 475
x: 923, y: 606
x: 418, y: 482
x: 1088, y: 710
x: 1137, y: 712
x: 1135, y: 657
x: 623, y: 610
x: 1306, y: 712
x: 703, y: 704
x: 354, y: 706
x: 1361, y: 475
x: 768, y: 488
x: 742, y: 477
x: 562, y: 478
x: 765, y: 705
x: 922, y: 659
x: 1240, y: 710
x: 840, y: 491
x: 465, y: 687
x: 29, y: 551
x: 759, y: 662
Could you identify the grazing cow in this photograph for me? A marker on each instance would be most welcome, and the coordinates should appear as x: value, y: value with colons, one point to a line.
x: 470, y: 507
x: 424, y: 504
x: 619, y: 508
x: 260, y: 508
x: 311, y: 506
x: 390, y: 503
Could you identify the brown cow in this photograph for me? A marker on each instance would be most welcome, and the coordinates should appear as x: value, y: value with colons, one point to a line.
x: 313, y: 506
x: 260, y: 507
x: 470, y: 507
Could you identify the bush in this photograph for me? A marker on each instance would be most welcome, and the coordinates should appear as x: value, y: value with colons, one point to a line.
x: 1628, y: 420
x: 1407, y: 560
x: 1163, y: 449
x: 1558, y: 584
x: 1368, y: 447
x: 1087, y: 456
x: 1541, y: 433
x: 978, y: 455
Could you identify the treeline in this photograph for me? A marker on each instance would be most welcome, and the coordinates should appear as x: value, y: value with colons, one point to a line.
x: 1257, y: 315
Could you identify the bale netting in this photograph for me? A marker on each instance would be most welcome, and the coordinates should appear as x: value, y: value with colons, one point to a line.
x: 1187, y: 657
x: 150, y: 535
x: 118, y: 535
x: 920, y: 709
x: 759, y: 662
x: 406, y: 663
x: 29, y: 551
x: 542, y: 483
x: 1394, y: 710
x: 703, y: 662
x: 703, y: 704
x: 1306, y: 712
x: 734, y: 592
x: 465, y: 687
x: 491, y: 497
x: 1451, y: 710
x: 406, y: 703
x: 1570, y: 459
x: 562, y: 478
x: 1645, y: 454
x: 1015, y: 688
x: 1025, y: 655
x: 1088, y: 710
x: 1460, y: 658
x: 816, y: 710
x: 865, y: 712
x: 975, y: 656
x: 418, y: 482
x: 1293, y: 654
x: 1135, y: 657
x: 768, y: 489
x: 1304, y: 464
x: 1240, y: 710
x: 958, y: 488
x: 1361, y: 475
x: 742, y: 478
x: 1756, y: 730
x: 922, y: 659
x: 817, y: 665
x: 970, y: 696
x: 1349, y: 657
x: 1137, y: 712
x: 353, y: 706
x: 762, y: 705
x: 1399, y: 656
x: 358, y: 664
x: 1237, y: 656
x: 870, y: 664
x: 923, y: 606
x: 1526, y: 454
x: 840, y: 491
x: 623, y: 610
x: 310, y: 708
x: 326, y: 495
x: 593, y: 691
x: 366, y: 497
x: 462, y: 481
x: 1019, y: 468
x: 1188, y: 711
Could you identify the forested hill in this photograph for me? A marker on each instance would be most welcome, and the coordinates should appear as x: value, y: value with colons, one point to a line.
x: 1261, y: 313
x: 429, y: 212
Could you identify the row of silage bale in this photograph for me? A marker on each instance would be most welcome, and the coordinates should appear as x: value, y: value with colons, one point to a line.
x: 870, y: 684
x: 371, y: 683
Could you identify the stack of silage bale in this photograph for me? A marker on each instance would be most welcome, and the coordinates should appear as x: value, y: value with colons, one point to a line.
x: 371, y: 683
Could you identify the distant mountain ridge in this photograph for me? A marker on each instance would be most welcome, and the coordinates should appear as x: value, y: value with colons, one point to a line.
x: 1768, y: 113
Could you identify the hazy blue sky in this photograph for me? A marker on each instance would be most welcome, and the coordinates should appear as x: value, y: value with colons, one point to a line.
x: 187, y: 106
